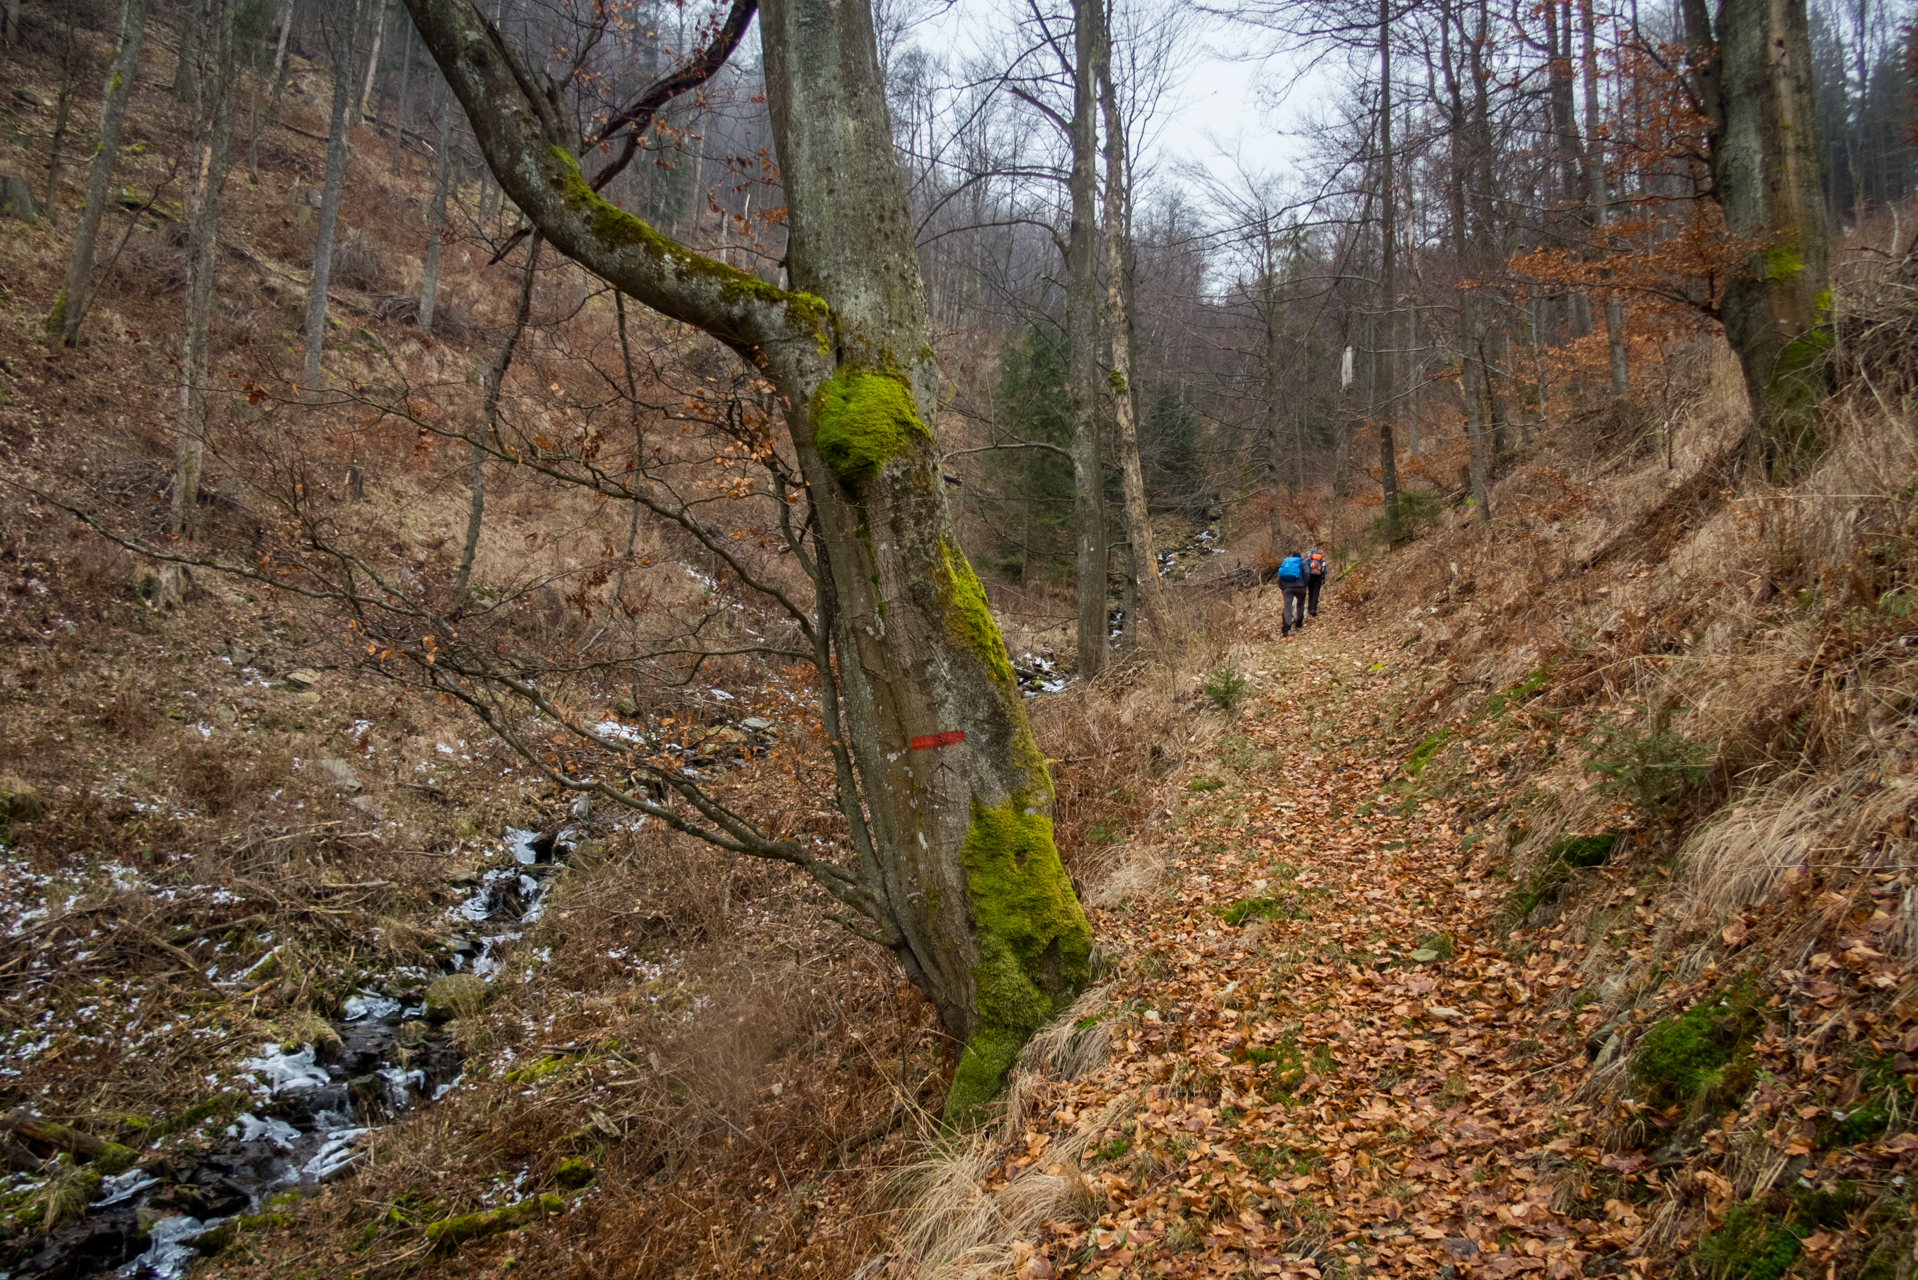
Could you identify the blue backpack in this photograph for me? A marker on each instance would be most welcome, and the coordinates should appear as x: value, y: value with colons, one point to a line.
x: 1291, y: 569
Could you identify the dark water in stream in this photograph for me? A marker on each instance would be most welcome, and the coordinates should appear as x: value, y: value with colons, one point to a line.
x: 310, y: 1108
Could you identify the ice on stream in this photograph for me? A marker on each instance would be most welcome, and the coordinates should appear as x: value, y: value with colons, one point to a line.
x: 286, y: 1072
x: 250, y: 1128
x: 169, y: 1247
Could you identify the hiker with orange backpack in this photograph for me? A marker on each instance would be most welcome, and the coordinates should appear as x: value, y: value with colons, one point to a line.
x: 1291, y: 579
x: 1314, y: 579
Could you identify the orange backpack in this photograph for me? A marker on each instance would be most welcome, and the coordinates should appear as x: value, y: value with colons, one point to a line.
x: 1315, y: 562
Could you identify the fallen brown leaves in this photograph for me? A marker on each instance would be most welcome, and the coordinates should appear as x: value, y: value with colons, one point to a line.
x: 1366, y: 1076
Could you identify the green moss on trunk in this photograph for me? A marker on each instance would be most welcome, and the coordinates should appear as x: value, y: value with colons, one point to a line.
x: 1035, y: 946
x: 620, y: 229
x: 968, y: 617
x: 863, y: 417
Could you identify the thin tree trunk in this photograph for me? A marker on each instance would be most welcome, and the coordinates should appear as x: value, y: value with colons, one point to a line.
x: 279, y: 60
x: 406, y: 97
x: 489, y: 418
x: 1472, y: 376
x: 1601, y: 199
x: 1383, y: 382
x: 436, y: 215
x: 363, y: 99
x: 1272, y: 380
x: 613, y: 602
x: 70, y: 307
x: 10, y: 21
x: 183, y: 71
x: 1142, y: 557
x: 1082, y: 361
x: 336, y: 146
x: 1471, y: 370
x: 1538, y: 364
x: 62, y: 112
x: 213, y: 133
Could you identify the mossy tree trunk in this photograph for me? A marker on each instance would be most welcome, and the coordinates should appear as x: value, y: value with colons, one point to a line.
x: 951, y: 861
x: 1752, y: 75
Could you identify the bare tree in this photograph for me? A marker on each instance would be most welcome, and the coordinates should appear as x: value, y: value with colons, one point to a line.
x: 341, y: 40
x: 69, y: 307
x: 213, y: 86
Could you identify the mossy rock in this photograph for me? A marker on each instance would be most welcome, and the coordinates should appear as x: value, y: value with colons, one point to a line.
x: 575, y: 1172
x: 1586, y: 851
x: 1699, y: 1055
x: 457, y: 995
x: 449, y: 1233
x: 224, y: 1104
x: 1865, y: 1122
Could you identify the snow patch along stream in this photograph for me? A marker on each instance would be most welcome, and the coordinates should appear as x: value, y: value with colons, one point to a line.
x: 302, y: 1121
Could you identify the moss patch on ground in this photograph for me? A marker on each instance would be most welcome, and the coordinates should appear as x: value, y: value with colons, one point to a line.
x: 1700, y: 1054
x: 1422, y: 754
x: 1035, y: 947
x: 448, y: 1233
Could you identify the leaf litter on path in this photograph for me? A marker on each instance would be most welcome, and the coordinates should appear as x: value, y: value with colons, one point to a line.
x: 1325, y: 1058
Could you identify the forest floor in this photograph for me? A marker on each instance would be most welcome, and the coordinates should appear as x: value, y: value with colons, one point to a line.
x: 1331, y: 1052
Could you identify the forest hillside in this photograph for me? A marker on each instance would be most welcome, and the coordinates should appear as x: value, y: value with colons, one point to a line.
x: 443, y: 828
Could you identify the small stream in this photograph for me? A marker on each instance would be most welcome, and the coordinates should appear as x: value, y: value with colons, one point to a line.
x: 311, y: 1105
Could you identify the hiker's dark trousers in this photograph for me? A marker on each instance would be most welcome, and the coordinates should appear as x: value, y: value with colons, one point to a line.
x: 1293, y: 614
x: 1313, y: 581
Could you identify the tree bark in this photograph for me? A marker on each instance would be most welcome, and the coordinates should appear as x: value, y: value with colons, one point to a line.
x: 1382, y: 370
x: 364, y: 95
x: 279, y: 59
x: 1471, y: 365
x: 1272, y: 378
x: 436, y: 216
x: 63, y: 323
x: 406, y: 97
x: 191, y: 18
x: 335, y: 181
x: 1601, y: 197
x: 1082, y: 351
x: 489, y: 415
x: 1142, y: 558
x: 944, y: 791
x: 213, y: 132
x: 1752, y: 75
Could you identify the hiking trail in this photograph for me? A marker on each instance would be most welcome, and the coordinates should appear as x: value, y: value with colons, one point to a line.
x: 1322, y: 1060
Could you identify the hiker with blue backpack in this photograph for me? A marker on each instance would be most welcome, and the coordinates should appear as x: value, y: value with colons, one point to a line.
x: 1291, y: 576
